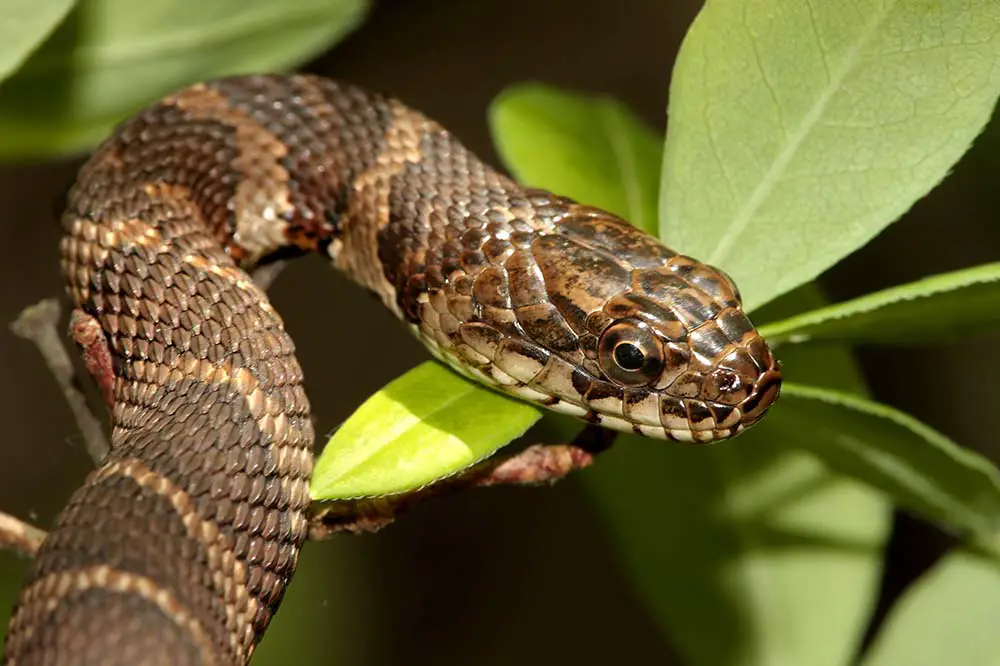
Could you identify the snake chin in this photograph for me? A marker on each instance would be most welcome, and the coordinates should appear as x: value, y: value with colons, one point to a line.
x: 658, y: 415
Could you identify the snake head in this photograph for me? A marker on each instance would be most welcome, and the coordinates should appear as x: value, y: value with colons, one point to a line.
x: 615, y: 328
x: 690, y: 364
x: 585, y: 314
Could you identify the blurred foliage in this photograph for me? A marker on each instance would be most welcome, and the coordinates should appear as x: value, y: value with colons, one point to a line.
x: 108, y: 58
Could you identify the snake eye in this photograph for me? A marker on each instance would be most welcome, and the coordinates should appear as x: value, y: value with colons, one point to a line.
x: 630, y: 353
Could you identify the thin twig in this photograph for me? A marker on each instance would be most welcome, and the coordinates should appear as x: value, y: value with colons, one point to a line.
x: 19, y: 536
x: 38, y: 323
x: 265, y: 275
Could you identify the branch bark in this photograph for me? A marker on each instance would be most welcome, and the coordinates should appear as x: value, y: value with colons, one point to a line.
x: 38, y: 324
x: 19, y: 536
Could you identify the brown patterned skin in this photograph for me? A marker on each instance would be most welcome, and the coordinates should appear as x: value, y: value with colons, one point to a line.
x: 178, y: 548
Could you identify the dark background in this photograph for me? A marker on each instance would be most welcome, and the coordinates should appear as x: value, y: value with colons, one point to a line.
x: 506, y: 576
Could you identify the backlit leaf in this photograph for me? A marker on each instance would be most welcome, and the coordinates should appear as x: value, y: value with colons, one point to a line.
x: 423, y: 426
x: 799, y: 130
x: 592, y: 146
x: 110, y: 57
x: 948, y: 616
x: 919, y: 467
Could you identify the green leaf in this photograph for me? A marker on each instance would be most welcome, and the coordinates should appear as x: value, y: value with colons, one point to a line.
x: 799, y: 130
x: 948, y: 616
x: 919, y: 467
x: 421, y: 427
x: 111, y: 57
x: 950, y: 306
x: 593, y: 149
x: 731, y: 545
x: 24, y: 24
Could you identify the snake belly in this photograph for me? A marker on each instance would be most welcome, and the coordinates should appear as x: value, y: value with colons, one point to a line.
x: 178, y: 548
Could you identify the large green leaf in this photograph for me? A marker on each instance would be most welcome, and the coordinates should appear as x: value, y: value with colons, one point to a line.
x: 799, y: 130
x: 421, y: 427
x: 110, y: 57
x: 23, y: 26
x: 593, y: 146
x: 949, y: 306
x: 948, y: 616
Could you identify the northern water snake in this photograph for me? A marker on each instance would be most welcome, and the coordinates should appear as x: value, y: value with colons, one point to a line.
x: 178, y: 548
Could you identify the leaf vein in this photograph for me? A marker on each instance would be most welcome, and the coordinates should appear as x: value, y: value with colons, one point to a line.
x: 757, y: 198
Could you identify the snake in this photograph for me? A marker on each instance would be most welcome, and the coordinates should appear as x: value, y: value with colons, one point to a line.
x: 178, y: 547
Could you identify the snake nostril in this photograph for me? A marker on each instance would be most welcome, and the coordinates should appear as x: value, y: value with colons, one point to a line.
x: 767, y: 391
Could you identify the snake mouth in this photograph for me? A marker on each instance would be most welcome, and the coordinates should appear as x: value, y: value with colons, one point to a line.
x: 659, y: 415
x: 655, y: 414
x: 686, y: 431
x: 556, y: 384
x: 640, y: 411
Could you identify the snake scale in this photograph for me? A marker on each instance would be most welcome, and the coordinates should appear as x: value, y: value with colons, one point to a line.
x: 178, y: 548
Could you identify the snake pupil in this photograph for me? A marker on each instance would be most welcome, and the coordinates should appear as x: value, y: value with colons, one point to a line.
x: 630, y: 353
x: 628, y: 356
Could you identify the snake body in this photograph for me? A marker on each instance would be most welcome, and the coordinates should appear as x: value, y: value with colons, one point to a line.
x: 178, y: 548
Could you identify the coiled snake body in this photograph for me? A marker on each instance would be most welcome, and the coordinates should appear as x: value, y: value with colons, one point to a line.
x: 178, y: 548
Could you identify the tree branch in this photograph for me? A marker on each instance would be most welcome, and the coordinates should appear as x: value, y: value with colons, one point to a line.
x: 19, y: 536
x: 38, y: 324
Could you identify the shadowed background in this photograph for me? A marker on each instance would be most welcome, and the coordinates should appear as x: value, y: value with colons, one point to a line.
x: 501, y: 576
